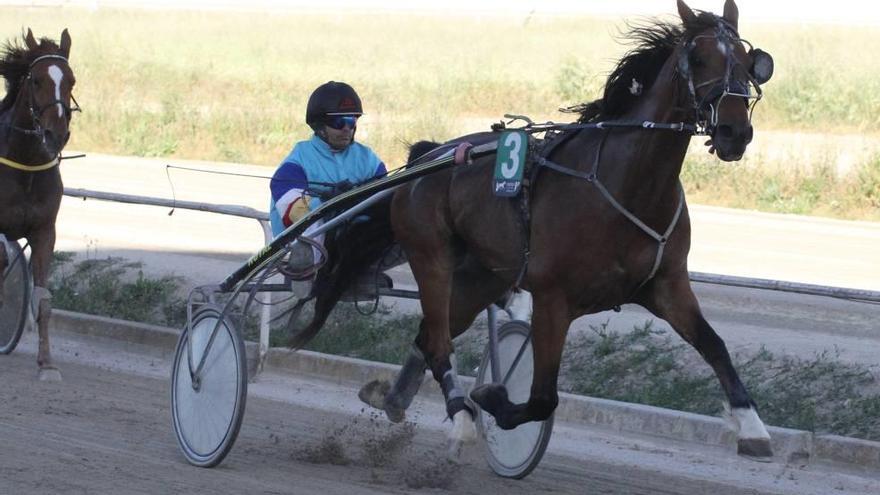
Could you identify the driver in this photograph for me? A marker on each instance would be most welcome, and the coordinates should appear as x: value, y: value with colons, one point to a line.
x: 329, y: 163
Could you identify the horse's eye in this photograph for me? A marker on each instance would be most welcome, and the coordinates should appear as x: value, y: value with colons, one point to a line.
x: 695, y: 60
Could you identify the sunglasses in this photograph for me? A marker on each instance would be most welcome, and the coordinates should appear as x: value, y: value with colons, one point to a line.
x: 339, y: 122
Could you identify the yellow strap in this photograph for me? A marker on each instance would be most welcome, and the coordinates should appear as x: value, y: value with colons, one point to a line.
x: 29, y: 168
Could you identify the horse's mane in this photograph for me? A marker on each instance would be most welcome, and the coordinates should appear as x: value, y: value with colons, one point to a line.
x: 654, y: 43
x: 15, y: 61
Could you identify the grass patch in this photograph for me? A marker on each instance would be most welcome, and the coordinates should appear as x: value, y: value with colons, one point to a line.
x: 115, y: 288
x: 818, y: 190
x: 819, y: 394
x: 376, y: 337
x: 206, y: 85
x: 646, y: 366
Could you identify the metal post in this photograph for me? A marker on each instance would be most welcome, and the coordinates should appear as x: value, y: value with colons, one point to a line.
x: 265, y: 311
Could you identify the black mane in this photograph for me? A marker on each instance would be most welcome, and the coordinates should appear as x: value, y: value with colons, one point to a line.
x: 15, y: 61
x: 654, y: 43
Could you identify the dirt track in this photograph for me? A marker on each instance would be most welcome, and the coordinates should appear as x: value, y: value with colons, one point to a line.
x: 106, y: 429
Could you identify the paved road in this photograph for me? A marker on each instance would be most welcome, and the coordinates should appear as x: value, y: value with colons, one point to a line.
x: 106, y: 429
x: 726, y: 241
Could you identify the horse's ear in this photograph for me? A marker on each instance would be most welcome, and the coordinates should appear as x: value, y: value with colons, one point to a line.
x: 65, y: 43
x: 30, y: 41
x: 687, y: 15
x: 731, y: 13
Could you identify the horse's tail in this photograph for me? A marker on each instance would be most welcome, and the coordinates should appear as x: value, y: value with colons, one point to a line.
x: 352, y: 250
x: 419, y: 151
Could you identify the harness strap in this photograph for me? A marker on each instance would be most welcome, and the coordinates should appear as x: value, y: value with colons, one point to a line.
x: 30, y: 168
x: 593, y: 178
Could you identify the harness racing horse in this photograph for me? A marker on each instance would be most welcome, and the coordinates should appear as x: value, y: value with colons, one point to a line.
x: 34, y: 127
x: 603, y: 221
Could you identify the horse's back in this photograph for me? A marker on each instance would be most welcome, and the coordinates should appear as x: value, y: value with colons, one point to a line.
x: 458, y: 205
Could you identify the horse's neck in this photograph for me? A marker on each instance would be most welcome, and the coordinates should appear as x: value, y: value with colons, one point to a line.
x: 647, y: 162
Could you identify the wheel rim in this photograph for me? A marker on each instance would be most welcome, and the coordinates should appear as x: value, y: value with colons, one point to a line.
x: 513, y: 452
x: 13, y: 311
x: 205, y: 418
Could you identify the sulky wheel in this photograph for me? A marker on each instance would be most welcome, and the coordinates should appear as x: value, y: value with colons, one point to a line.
x: 15, y: 300
x: 207, y: 409
x: 513, y: 453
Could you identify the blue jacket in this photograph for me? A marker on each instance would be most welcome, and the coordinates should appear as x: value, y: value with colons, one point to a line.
x: 313, y: 167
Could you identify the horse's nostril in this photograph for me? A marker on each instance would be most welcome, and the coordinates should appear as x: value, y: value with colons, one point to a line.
x: 749, y: 134
x: 725, y: 131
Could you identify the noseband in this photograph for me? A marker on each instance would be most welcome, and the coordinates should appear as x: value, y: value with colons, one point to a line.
x: 706, y: 107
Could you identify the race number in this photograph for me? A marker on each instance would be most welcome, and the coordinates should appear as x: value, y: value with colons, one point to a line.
x: 510, y: 162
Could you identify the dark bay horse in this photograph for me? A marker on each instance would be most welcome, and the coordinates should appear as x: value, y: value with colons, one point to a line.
x: 604, y: 222
x: 34, y: 127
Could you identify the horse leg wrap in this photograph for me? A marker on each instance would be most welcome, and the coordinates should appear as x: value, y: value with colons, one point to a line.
x: 40, y: 294
x: 407, y: 383
x: 456, y: 399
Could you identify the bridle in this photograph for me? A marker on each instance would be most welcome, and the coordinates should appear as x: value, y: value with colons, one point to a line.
x: 728, y: 85
x: 37, y: 111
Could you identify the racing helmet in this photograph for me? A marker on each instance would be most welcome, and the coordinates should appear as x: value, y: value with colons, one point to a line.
x: 331, y: 99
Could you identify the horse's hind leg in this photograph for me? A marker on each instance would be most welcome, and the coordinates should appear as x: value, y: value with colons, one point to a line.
x: 474, y: 288
x: 672, y: 299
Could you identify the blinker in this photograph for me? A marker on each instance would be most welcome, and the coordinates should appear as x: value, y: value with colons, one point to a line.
x: 762, y: 65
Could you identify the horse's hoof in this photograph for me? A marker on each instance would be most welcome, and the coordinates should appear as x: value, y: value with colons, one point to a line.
x: 373, y: 393
x: 395, y: 415
x: 491, y: 398
x: 50, y: 374
x: 757, y: 449
x: 454, y: 450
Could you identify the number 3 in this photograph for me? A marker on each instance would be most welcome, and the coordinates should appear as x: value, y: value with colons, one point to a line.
x: 510, y: 167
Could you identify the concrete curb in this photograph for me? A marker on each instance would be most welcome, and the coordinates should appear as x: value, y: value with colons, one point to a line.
x: 790, y: 446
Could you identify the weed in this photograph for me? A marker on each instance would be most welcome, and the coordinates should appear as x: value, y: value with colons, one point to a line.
x: 116, y: 288
x: 645, y: 366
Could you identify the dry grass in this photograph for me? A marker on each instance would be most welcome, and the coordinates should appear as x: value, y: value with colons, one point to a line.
x: 233, y: 86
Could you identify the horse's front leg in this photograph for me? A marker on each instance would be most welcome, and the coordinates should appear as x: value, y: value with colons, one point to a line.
x: 549, y: 325
x: 672, y: 299
x: 42, y: 246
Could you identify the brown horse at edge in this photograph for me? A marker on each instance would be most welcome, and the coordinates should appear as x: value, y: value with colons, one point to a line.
x: 34, y: 127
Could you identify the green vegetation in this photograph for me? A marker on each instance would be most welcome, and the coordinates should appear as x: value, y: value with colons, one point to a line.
x: 211, y: 86
x: 818, y: 190
x: 644, y: 366
x: 116, y: 288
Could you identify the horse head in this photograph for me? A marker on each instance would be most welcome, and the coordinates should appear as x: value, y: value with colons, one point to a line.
x: 46, y: 91
x: 723, y: 79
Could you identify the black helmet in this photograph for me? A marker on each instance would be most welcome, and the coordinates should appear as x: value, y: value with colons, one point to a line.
x: 332, y: 98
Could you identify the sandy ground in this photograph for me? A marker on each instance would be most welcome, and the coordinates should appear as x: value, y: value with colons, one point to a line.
x: 107, y: 429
